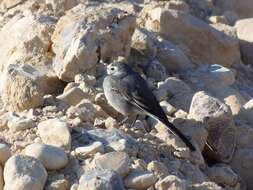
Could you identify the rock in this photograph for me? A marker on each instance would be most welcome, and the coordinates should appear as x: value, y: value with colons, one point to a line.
x: 219, y: 19
x: 1, y: 178
x: 244, y: 29
x: 158, y: 168
x: 87, y: 79
x: 86, y: 151
x: 20, y: 123
x: 55, y: 132
x: 242, y: 165
x: 244, y: 136
x: 53, y: 158
x: 156, y: 70
x: 185, y: 27
x: 111, y: 24
x: 140, y: 180
x: 116, y: 161
x: 24, y: 172
x: 218, y: 119
x: 167, y: 107
x: 5, y: 4
x: 242, y: 8
x: 172, y: 57
x: 23, y: 87
x: 72, y: 96
x: 4, y: 118
x: 114, y: 139
x: 111, y: 123
x: 26, y: 40
x: 206, y: 186
x: 100, y: 179
x: 59, y: 184
x: 171, y: 182
x: 223, y: 175
x: 61, y: 6
x: 176, y: 92
x: 246, y: 112
x: 5, y: 154
x: 206, y: 75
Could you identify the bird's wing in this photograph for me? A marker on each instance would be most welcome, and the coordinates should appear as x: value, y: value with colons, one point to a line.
x: 135, y: 90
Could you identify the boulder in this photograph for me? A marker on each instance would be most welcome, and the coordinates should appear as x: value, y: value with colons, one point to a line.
x: 222, y: 49
x: 244, y: 30
x: 85, y: 32
x: 24, y: 172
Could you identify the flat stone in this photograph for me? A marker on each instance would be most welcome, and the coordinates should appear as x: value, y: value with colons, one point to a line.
x: 100, y: 179
x: 114, y: 139
x: 116, y: 161
x: 52, y: 157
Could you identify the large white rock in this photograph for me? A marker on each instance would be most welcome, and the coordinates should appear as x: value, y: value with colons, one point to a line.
x: 55, y: 132
x: 51, y: 157
x: 244, y: 30
x: 87, y: 30
x: 193, y: 34
x: 171, y: 182
x: 24, y: 172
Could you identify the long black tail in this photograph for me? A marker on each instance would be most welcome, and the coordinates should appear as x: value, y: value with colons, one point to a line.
x: 178, y: 133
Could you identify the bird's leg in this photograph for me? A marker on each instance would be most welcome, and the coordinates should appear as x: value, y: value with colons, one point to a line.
x: 123, y: 121
x: 136, y: 117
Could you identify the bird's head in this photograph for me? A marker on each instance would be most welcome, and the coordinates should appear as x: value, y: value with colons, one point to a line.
x: 118, y: 68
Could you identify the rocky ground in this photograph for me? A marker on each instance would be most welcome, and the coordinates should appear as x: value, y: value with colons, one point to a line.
x: 57, y: 131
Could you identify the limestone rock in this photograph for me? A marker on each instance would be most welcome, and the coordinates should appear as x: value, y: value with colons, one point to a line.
x: 26, y: 40
x: 114, y: 139
x: 116, y: 161
x: 218, y: 118
x: 20, y: 123
x: 100, y: 179
x: 171, y: 182
x: 140, y: 180
x: 244, y: 29
x: 24, y: 172
x: 225, y: 49
x: 242, y: 164
x: 5, y: 153
x: 1, y: 178
x: 243, y: 8
x: 23, y: 87
x: 222, y: 174
x: 72, y: 96
x: 206, y: 186
x: 94, y: 29
x: 89, y: 150
x: 55, y: 132
x: 51, y: 157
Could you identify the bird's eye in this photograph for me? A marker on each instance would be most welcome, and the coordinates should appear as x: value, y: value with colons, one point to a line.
x: 112, y: 69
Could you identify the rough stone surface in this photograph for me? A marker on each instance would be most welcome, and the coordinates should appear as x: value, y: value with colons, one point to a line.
x: 51, y: 157
x: 55, y: 132
x: 100, y: 179
x: 1, y: 178
x: 72, y: 96
x: 24, y: 172
x: 171, y: 182
x: 116, y: 161
x: 244, y: 29
x: 114, y: 139
x: 90, y: 149
x: 185, y: 27
x: 23, y: 87
x: 84, y: 41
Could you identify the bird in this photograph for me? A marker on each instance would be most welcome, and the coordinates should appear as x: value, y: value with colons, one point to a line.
x: 128, y: 93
